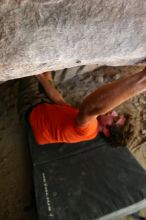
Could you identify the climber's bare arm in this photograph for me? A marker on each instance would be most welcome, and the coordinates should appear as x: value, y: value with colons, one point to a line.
x: 109, y: 96
x: 46, y: 81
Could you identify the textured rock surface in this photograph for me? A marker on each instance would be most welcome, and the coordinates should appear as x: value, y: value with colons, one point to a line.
x: 37, y: 35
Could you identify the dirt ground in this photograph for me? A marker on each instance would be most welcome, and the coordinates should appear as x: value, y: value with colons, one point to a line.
x: 16, y: 187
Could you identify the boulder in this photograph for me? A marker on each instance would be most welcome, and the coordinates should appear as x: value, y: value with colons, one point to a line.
x: 40, y: 35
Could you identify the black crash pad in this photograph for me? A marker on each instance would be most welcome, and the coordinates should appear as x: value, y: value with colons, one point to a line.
x: 86, y: 181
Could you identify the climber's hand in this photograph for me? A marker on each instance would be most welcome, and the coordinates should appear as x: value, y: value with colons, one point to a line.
x: 41, y: 78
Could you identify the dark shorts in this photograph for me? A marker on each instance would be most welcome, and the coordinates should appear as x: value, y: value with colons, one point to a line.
x: 29, y: 96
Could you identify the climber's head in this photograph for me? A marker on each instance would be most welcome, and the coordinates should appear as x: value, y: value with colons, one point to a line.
x: 112, y: 127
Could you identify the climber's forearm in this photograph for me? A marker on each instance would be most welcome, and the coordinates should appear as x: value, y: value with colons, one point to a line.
x: 47, y: 87
x: 50, y: 90
x: 45, y: 84
x: 112, y: 95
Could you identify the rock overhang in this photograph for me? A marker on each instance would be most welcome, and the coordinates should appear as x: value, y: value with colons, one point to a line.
x: 43, y: 35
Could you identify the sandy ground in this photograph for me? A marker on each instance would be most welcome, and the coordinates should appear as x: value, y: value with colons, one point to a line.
x: 16, y: 189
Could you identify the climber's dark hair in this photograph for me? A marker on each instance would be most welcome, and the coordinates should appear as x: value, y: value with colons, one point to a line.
x: 117, y: 136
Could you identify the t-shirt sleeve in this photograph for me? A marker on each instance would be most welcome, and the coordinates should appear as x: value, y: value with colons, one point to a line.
x: 90, y: 130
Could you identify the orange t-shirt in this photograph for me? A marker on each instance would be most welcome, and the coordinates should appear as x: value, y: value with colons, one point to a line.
x: 52, y: 123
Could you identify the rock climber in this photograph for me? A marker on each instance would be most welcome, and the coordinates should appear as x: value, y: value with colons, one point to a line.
x: 59, y: 122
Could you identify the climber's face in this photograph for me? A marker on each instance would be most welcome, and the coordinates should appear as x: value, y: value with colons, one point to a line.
x: 110, y: 119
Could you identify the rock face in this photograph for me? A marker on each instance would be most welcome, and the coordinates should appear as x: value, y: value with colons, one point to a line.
x: 40, y: 35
